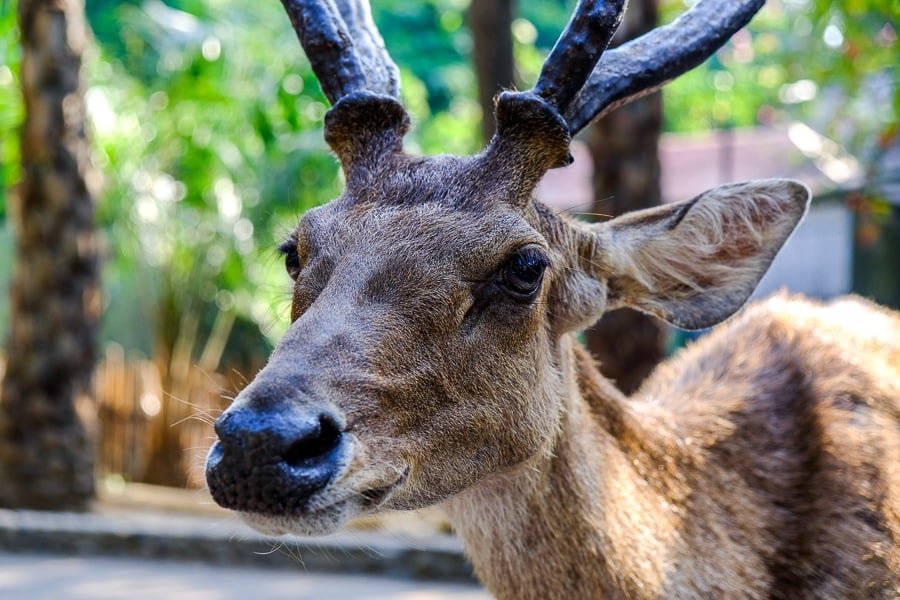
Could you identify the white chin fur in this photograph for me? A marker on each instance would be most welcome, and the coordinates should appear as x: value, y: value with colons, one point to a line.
x: 320, y: 522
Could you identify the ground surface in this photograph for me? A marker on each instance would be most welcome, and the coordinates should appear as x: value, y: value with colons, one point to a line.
x: 223, y: 540
x: 42, y: 577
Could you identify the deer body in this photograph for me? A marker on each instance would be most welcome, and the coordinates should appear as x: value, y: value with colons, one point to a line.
x: 764, y: 461
x: 431, y: 356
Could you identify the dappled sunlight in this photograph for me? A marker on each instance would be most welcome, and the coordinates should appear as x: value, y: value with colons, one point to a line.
x: 839, y: 166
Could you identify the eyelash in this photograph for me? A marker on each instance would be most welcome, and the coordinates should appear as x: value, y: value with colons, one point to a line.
x: 292, y: 262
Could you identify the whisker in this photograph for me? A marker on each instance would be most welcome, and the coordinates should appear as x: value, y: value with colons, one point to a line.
x: 588, y: 203
x: 294, y: 553
x: 276, y: 546
x: 205, y: 419
x: 241, y: 375
x: 202, y: 409
x: 593, y: 214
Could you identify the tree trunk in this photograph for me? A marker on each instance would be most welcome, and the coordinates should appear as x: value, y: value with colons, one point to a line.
x: 492, y: 53
x: 46, y: 449
x: 624, y: 148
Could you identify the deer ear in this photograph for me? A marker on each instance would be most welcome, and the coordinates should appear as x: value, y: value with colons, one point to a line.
x: 694, y: 264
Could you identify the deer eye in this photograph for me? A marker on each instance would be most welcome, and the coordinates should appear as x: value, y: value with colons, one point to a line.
x: 291, y: 258
x: 522, y: 274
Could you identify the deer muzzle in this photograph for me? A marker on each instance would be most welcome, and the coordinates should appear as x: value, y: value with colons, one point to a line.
x: 273, y: 460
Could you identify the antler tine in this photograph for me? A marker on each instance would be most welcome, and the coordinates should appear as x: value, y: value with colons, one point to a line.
x: 328, y: 46
x: 382, y: 75
x: 531, y: 132
x: 588, y: 33
x: 366, y: 121
x: 344, y: 48
x: 644, y: 65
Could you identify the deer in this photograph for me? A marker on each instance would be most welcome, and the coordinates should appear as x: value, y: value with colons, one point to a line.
x: 432, y: 357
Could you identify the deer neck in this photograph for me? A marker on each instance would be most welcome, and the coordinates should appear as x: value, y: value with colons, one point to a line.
x: 576, y: 519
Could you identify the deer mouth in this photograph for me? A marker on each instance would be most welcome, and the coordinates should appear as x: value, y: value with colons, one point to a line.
x: 375, y: 498
x: 326, y: 515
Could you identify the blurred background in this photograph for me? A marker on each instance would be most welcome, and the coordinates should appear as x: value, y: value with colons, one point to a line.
x: 196, y: 132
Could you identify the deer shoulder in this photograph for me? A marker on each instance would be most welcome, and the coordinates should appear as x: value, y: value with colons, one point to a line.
x: 780, y: 431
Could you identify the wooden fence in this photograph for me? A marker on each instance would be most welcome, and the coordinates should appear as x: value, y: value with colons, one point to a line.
x: 155, y: 426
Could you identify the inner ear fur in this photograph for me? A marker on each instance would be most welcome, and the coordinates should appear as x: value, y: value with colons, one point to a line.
x: 695, y: 263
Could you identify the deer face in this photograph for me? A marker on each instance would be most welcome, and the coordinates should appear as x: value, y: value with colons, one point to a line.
x: 424, y: 354
x: 432, y: 301
x: 419, y: 361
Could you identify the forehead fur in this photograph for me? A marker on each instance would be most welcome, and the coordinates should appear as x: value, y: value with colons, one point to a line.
x: 466, y: 183
x: 441, y: 203
x: 432, y: 231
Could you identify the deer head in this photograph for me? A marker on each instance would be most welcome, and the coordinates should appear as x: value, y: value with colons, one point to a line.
x: 434, y: 300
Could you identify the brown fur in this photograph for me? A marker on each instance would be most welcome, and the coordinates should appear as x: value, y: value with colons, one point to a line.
x: 762, y: 462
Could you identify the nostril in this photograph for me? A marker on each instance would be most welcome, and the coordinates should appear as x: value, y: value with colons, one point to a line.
x: 315, y: 444
x: 224, y: 427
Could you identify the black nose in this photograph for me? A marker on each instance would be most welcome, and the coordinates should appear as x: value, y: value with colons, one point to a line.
x: 272, y: 461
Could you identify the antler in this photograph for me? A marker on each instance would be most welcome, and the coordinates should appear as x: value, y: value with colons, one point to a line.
x: 347, y: 54
x: 382, y: 75
x: 531, y: 134
x: 644, y: 65
x: 579, y: 82
x: 344, y: 47
x: 578, y: 49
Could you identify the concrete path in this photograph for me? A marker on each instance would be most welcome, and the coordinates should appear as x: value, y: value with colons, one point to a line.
x: 192, y: 539
x: 42, y: 577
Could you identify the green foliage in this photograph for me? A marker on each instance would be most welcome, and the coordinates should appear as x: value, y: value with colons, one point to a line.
x: 829, y: 64
x: 210, y: 145
x: 11, y: 111
x: 438, y: 83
